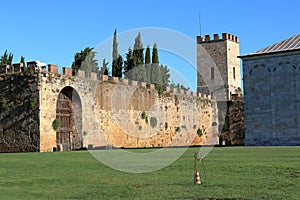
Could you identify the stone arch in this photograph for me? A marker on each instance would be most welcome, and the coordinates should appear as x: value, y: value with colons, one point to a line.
x: 69, y: 112
x: 284, y: 76
x: 259, y: 84
x: 259, y: 106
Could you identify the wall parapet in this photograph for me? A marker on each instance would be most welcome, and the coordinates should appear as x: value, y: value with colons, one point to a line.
x: 225, y: 36
x: 53, y: 71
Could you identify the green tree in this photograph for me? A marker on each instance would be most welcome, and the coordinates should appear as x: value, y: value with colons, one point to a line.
x: 117, y: 60
x: 6, y: 59
x: 155, y: 74
x: 10, y: 58
x: 139, y: 73
x: 85, y: 60
x: 148, y: 73
x: 115, y: 55
x: 138, y: 51
x: 104, y: 68
x: 89, y: 64
x: 3, y: 59
x: 147, y: 56
x: 155, y: 59
x: 138, y: 70
x: 128, y: 64
x: 165, y: 75
x: 155, y: 71
x: 22, y: 60
x: 147, y: 64
x: 159, y: 74
x: 115, y: 47
x: 119, y: 66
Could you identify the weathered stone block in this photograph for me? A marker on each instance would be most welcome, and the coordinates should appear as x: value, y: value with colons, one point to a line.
x: 67, y: 71
x: 93, y: 76
x: 52, y: 68
x: 80, y: 74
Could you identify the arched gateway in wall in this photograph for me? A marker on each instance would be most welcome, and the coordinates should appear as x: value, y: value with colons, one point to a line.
x: 69, y: 113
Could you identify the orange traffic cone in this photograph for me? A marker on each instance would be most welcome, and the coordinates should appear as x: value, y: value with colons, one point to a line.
x: 197, y: 179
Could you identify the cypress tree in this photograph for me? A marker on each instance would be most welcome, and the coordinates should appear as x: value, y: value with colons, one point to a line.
x: 138, y: 70
x: 147, y: 56
x: 119, y: 65
x: 115, y: 47
x: 128, y: 64
x: 10, y: 58
x: 155, y: 54
x: 147, y: 65
x: 115, y: 55
x: 138, y: 51
x: 22, y: 60
x: 104, y: 68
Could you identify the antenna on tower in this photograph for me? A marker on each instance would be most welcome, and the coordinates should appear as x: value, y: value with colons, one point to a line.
x: 200, y: 23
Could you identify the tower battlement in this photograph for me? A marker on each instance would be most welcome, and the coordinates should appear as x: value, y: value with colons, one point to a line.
x: 223, y: 54
x: 216, y: 37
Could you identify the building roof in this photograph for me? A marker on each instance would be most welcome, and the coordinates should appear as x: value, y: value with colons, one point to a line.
x: 290, y: 44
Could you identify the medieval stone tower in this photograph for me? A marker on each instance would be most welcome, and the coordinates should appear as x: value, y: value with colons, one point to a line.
x: 218, y: 65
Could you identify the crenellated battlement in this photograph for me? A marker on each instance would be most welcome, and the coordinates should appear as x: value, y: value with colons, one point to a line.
x: 52, y: 71
x: 216, y: 37
x: 151, y: 86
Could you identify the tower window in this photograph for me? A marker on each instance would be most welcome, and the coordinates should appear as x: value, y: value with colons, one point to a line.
x: 234, y: 73
x: 212, y: 73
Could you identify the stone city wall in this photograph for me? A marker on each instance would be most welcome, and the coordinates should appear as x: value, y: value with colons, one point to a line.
x: 108, y: 112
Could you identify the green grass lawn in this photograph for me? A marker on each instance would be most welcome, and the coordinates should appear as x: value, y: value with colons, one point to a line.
x: 237, y: 172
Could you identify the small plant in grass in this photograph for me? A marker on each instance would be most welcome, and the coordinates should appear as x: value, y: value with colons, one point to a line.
x: 146, y: 120
x: 195, y: 126
x: 199, y: 132
x: 177, y: 129
x: 140, y: 127
x: 153, y: 122
x: 56, y: 124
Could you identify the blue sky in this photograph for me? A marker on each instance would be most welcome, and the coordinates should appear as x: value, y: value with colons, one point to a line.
x: 52, y: 31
